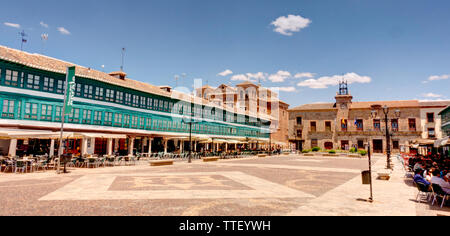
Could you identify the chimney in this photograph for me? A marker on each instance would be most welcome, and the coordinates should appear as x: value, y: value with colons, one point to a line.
x: 119, y: 75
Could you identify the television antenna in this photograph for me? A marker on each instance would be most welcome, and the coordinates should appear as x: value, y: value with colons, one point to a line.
x: 24, y: 40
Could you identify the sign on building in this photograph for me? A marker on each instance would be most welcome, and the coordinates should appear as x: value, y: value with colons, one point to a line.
x: 70, y: 90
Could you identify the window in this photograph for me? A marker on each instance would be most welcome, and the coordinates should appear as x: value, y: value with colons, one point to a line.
x: 60, y: 86
x: 395, y: 145
x: 142, y: 104
x: 31, y: 111
x: 299, y: 121
x: 49, y: 84
x: 148, y: 124
x: 58, y: 112
x: 142, y: 123
x: 8, y: 108
x: 88, y: 91
x: 78, y: 90
x: 412, y: 124
x: 430, y: 117
x: 328, y: 126
x: 313, y: 126
x: 119, y: 97
x: 74, y: 116
x: 33, y: 81
x: 109, y: 96
x: 135, y: 101
x: 361, y: 144
x: 314, y: 143
x: 431, y: 133
x: 359, y: 125
x: 46, y: 112
x: 108, y: 119
x: 328, y: 145
x: 99, y: 93
x: 377, y: 125
x: 118, y: 120
x: 134, y: 122
x: 87, y: 115
x: 12, y: 78
x: 149, y: 103
x: 344, y: 125
x: 98, y: 117
x: 394, y: 124
x: 126, y: 121
x: 127, y: 99
x: 299, y: 133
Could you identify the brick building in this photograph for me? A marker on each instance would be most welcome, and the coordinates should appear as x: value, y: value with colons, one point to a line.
x: 253, y: 100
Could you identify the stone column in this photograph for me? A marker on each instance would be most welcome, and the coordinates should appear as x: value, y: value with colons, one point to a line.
x: 226, y: 147
x: 195, y: 146
x: 52, y: 148
x: 165, y: 146
x: 130, y: 146
x: 116, y: 145
x: 109, y: 147
x: 181, y: 146
x: 12, y: 148
x: 84, y: 142
x: 150, y: 146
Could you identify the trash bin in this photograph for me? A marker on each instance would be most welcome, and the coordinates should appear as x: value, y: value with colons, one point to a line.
x: 366, y: 178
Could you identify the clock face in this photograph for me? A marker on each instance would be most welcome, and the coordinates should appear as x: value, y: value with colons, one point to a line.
x: 343, y: 106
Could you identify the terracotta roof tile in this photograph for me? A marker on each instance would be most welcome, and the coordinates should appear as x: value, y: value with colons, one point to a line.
x: 42, y: 62
x: 314, y: 107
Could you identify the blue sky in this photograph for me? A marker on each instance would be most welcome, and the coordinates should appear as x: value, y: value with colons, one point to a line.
x: 389, y: 49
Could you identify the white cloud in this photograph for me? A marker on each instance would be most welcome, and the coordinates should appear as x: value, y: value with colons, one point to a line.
x: 431, y: 95
x: 64, y: 31
x: 437, y: 77
x: 304, y: 75
x: 280, y: 76
x: 292, y: 23
x: 225, y: 73
x: 327, y: 81
x: 240, y: 77
x: 284, y: 89
x: 251, y: 77
x: 257, y: 76
x: 12, y: 25
x: 43, y: 24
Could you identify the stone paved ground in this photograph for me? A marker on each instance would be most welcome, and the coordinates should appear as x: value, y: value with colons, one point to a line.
x: 285, y: 185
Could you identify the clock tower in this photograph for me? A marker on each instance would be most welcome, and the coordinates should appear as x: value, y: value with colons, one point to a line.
x: 343, y: 101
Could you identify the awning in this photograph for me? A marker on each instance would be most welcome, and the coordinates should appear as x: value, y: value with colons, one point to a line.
x: 424, y: 142
x: 37, y: 135
x: 99, y: 135
x: 220, y: 141
x: 441, y: 142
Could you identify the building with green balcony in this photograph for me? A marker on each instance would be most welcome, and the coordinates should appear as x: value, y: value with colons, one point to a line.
x: 445, y: 117
x: 111, y: 112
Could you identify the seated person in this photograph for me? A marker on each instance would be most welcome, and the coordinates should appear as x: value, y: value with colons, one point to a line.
x: 418, y: 166
x: 418, y: 178
x: 436, y: 179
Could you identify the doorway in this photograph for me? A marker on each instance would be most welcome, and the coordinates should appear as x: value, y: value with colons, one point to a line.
x: 378, y: 146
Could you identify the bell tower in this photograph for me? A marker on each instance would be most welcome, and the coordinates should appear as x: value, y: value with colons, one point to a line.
x: 343, y: 101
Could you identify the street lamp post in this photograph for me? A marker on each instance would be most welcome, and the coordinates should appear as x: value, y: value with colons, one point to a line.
x: 386, y: 111
x: 190, y: 122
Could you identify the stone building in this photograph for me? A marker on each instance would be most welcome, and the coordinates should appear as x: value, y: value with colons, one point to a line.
x: 346, y: 124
